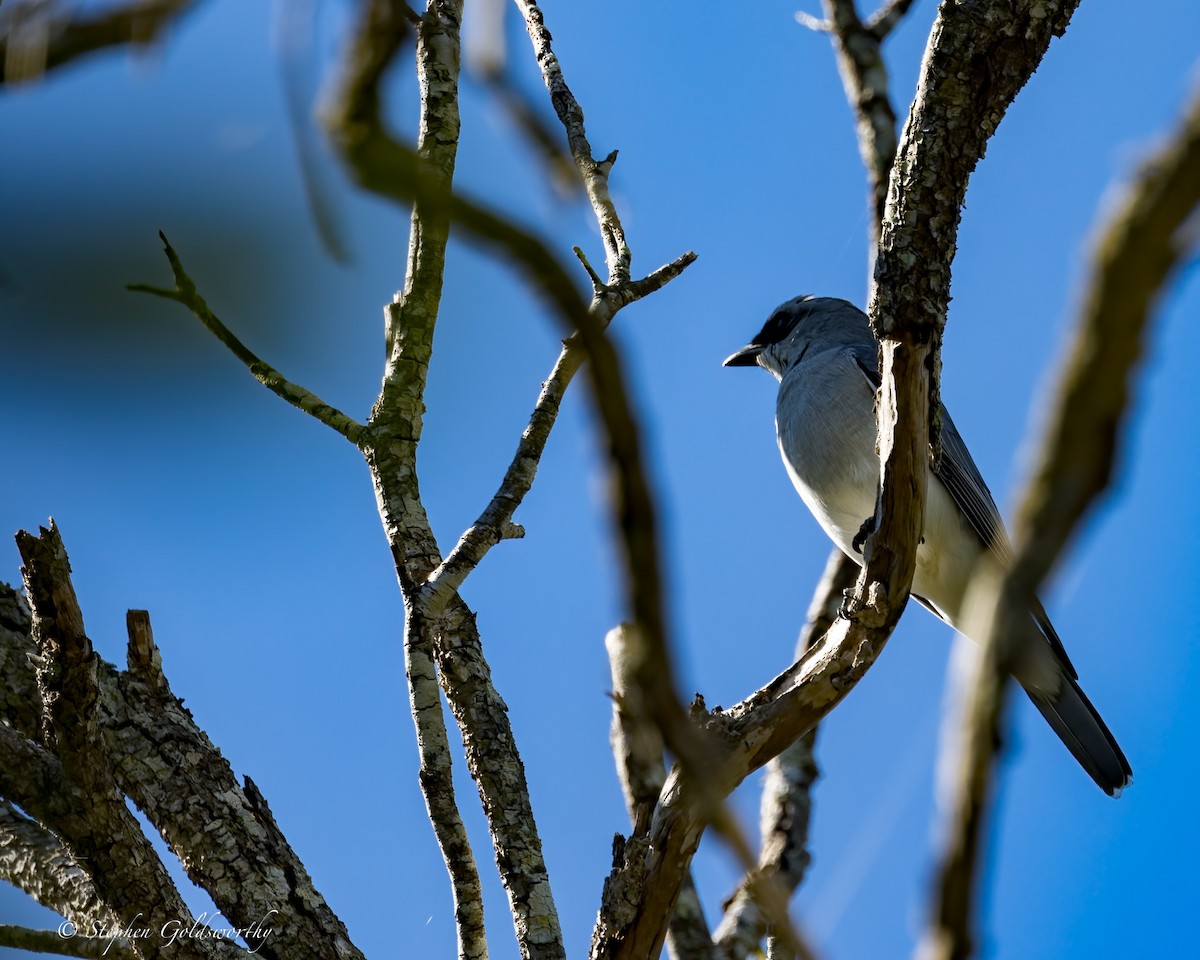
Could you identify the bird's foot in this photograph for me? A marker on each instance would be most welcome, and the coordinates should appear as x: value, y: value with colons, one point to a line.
x: 860, y: 538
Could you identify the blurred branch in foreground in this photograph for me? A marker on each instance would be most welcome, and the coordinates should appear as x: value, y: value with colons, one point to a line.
x: 37, y: 36
x: 1136, y: 252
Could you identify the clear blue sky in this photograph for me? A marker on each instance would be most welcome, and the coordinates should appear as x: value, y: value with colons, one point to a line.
x: 250, y: 531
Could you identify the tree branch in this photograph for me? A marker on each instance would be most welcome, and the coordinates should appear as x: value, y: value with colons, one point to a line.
x: 36, y: 37
x: 54, y: 942
x: 865, y: 79
x: 787, y: 790
x: 907, y: 307
x: 383, y: 165
x: 185, y: 293
x: 1135, y: 253
x: 884, y: 20
x: 227, y: 839
x: 495, y: 523
x: 34, y: 860
x: 437, y: 786
x: 379, y: 163
x: 82, y: 803
x: 594, y: 174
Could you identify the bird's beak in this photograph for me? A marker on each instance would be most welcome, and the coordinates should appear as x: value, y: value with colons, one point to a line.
x: 746, y: 357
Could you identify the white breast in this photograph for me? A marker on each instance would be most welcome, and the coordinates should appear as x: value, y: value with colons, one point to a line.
x: 825, y: 426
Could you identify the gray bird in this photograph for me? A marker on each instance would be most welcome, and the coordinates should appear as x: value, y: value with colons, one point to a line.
x: 826, y: 361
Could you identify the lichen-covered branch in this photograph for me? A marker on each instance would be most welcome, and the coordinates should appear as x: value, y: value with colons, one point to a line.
x: 185, y: 293
x: 437, y: 786
x: 394, y: 428
x: 37, y: 36
x: 1135, y: 252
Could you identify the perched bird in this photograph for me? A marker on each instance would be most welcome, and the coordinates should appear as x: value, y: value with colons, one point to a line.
x: 826, y: 361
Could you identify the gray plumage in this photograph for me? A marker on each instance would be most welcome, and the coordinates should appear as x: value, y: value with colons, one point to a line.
x: 823, y: 354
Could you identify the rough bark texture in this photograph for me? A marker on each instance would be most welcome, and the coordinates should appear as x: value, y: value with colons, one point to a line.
x: 165, y: 763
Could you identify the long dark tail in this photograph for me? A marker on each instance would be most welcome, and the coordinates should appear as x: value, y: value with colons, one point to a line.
x: 1079, y: 726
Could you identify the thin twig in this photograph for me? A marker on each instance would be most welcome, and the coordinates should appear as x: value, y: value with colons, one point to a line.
x: 1135, y: 254
x: 594, y: 174
x: 815, y: 24
x: 185, y: 293
x: 495, y: 522
x: 886, y: 18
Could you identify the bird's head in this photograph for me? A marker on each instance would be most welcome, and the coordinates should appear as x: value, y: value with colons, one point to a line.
x: 796, y: 327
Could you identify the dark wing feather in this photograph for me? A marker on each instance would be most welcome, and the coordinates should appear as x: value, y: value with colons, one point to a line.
x: 962, y: 480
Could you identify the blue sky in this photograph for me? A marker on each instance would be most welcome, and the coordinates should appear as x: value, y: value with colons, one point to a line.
x: 250, y: 531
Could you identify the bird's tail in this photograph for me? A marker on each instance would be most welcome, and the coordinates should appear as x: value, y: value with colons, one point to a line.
x: 1079, y: 726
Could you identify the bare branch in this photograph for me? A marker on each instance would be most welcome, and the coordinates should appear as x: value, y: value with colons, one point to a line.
x: 815, y: 24
x: 865, y: 78
x: 787, y: 790
x: 36, y: 37
x: 486, y: 56
x: 383, y: 165
x: 83, y: 804
x: 488, y: 530
x: 228, y: 840
x: 34, y: 860
x: 1134, y: 257
x: 445, y: 636
x: 907, y: 306
x: 885, y: 19
x: 688, y: 936
x: 637, y: 744
x: 594, y: 174
x: 225, y: 833
x: 1135, y: 253
x: 437, y: 786
x: 54, y: 942
x: 19, y: 698
x: 185, y: 293
x: 495, y: 765
x: 495, y: 523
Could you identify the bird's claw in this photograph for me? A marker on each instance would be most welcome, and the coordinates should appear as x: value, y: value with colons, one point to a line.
x: 860, y: 538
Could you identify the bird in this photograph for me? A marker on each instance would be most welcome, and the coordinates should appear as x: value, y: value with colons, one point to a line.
x: 822, y: 352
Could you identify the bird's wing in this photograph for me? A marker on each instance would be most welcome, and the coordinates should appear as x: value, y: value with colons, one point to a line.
x: 957, y: 471
x: 962, y: 480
